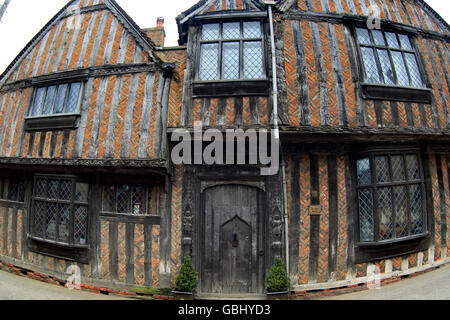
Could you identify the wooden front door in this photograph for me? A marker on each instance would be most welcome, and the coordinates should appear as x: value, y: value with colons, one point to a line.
x: 232, y: 253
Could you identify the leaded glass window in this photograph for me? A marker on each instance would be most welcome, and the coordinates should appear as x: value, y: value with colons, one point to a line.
x: 56, y: 99
x: 60, y: 210
x: 231, y: 51
x: 388, y: 58
x: 12, y: 189
x: 390, y: 192
x: 130, y: 199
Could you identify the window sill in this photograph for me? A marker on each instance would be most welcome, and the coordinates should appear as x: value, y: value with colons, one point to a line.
x: 389, y: 242
x: 66, y: 121
x: 404, y: 94
x: 227, y: 88
x: 76, y: 253
x: 131, y: 218
x: 371, y: 251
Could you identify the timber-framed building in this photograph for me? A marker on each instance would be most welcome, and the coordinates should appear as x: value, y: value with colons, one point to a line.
x: 360, y: 94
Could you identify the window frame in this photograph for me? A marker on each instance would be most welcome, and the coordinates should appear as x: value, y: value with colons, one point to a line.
x: 220, y: 43
x: 47, y: 86
x: 383, y: 249
x: 6, y: 188
x: 66, y: 250
x: 381, y: 90
x: 55, y: 121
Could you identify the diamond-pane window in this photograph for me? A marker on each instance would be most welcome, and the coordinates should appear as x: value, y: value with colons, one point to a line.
x: 385, y: 210
x: 130, y: 199
x: 60, y: 99
x: 60, y: 210
x: 56, y: 100
x: 412, y: 164
x: 38, y: 100
x: 230, y: 64
x: 138, y: 198
x: 394, y: 199
x: 378, y: 37
x: 123, y: 199
x: 392, y: 40
x: 80, y: 225
x: 49, y: 99
x: 51, y: 221
x: 65, y: 192
x: 370, y: 65
x: 366, y: 215
x: 364, y: 172
x: 209, y: 61
x: 386, y: 66
x: 64, y: 222
x: 253, y: 60
x: 400, y: 68
x: 401, y: 211
x: 39, y: 214
x: 413, y: 68
x: 72, y: 100
x: 232, y: 30
x: 210, y: 31
x: 252, y: 29
x: 223, y: 45
x: 417, y: 222
x: 398, y: 168
x: 405, y: 42
x: 382, y: 165
x: 53, y: 189
x: 363, y: 36
x: 393, y: 53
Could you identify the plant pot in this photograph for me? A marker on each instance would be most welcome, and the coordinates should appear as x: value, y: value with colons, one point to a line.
x: 278, y: 295
x: 183, y: 295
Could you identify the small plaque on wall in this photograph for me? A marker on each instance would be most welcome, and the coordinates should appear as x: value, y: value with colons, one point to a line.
x: 315, y: 210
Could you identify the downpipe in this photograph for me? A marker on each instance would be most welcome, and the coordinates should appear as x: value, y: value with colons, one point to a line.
x: 277, y: 130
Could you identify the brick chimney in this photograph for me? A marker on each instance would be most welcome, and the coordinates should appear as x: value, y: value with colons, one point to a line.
x: 157, y: 34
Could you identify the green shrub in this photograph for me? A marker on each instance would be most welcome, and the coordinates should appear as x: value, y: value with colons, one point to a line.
x: 186, y: 280
x: 278, y: 280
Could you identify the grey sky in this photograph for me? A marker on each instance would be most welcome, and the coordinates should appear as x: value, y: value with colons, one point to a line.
x: 24, y: 18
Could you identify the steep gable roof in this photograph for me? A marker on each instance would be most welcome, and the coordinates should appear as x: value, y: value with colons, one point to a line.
x: 285, y: 5
x: 127, y: 22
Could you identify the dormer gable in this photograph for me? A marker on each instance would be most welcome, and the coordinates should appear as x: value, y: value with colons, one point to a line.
x: 205, y: 8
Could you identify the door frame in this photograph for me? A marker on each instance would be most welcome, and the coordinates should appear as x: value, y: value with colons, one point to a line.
x: 196, y: 178
x: 262, y: 229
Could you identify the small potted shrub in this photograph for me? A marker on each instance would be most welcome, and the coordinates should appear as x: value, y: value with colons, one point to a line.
x: 278, y: 282
x: 186, y: 282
